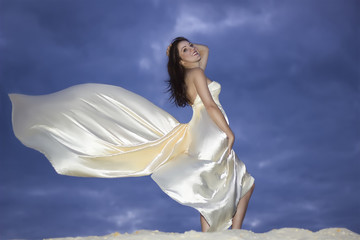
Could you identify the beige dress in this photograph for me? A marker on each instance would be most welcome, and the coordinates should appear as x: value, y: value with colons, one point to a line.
x: 98, y: 130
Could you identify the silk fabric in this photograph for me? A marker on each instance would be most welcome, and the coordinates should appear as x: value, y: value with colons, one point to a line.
x: 98, y: 130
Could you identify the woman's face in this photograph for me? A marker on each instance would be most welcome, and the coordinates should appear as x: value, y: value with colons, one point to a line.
x: 188, y: 53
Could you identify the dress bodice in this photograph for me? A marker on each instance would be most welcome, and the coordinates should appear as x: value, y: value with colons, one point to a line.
x: 215, y: 89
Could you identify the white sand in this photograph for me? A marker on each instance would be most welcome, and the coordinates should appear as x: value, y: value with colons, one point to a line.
x: 276, y: 234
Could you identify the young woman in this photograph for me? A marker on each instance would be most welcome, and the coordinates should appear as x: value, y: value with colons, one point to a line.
x: 189, y: 86
x: 98, y: 130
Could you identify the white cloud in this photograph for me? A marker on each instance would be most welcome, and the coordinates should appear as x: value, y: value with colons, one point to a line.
x: 309, y: 206
x: 131, y: 219
x: 187, y: 24
x: 282, y: 156
x: 43, y: 192
x: 196, y: 21
x: 90, y: 193
x: 144, y: 63
x: 254, y: 222
x: 240, y: 17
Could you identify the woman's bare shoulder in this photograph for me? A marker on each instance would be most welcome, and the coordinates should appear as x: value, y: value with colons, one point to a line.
x: 195, y: 74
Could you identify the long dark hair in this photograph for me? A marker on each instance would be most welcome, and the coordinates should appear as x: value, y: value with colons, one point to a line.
x: 176, y: 82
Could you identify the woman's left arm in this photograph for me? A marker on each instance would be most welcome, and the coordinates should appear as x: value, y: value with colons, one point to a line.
x: 204, y: 53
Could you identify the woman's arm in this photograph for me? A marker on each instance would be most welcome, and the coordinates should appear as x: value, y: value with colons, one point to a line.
x: 200, y: 82
x: 204, y: 53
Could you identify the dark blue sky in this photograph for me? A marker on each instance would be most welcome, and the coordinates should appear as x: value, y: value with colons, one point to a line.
x: 290, y: 85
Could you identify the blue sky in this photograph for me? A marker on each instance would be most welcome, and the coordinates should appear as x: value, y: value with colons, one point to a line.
x: 290, y: 85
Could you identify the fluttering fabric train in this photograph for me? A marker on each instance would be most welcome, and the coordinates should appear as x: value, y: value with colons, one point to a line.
x: 98, y: 130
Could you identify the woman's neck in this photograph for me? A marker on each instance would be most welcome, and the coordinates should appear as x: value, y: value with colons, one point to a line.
x: 192, y: 65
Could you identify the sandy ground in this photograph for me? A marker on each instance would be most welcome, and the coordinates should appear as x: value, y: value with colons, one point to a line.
x: 276, y: 234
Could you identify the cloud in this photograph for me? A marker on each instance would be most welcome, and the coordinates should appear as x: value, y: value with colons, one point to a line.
x: 130, y: 219
x: 144, y: 64
x: 200, y: 20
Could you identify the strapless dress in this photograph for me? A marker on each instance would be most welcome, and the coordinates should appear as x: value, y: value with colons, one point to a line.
x: 98, y: 130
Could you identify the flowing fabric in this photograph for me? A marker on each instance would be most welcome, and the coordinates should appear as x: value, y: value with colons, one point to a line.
x: 98, y: 130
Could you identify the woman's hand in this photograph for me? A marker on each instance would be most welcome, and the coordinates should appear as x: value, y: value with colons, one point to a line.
x: 231, y: 140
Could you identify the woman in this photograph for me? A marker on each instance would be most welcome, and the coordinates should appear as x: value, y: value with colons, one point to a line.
x: 188, y: 85
x: 98, y: 130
